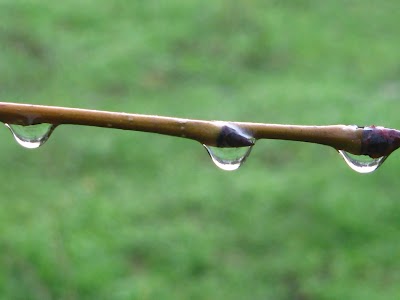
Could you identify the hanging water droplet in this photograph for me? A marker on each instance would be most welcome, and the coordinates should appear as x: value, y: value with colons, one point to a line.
x: 362, y: 163
x: 228, y: 159
x: 32, y: 136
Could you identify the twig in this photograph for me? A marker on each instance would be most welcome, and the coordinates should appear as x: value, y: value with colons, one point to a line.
x: 372, y: 141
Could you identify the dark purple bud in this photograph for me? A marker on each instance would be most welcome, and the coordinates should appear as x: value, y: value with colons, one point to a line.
x: 379, y: 141
x: 233, y: 137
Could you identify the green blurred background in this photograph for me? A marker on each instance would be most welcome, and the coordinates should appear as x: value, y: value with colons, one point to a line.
x: 107, y: 214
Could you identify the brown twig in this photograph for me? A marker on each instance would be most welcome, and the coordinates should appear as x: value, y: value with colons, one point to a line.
x: 353, y: 139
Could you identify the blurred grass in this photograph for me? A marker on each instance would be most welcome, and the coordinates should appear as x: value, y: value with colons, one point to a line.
x: 103, y: 214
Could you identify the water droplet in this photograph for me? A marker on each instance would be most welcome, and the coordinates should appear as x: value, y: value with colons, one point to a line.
x: 362, y: 163
x: 32, y: 136
x: 228, y: 159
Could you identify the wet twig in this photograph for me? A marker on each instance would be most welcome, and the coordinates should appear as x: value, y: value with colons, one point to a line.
x: 372, y: 141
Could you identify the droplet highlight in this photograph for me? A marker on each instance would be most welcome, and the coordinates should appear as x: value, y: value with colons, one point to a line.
x: 228, y: 159
x: 362, y: 163
x: 31, y: 136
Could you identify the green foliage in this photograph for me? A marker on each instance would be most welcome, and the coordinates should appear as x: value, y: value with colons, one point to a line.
x: 106, y: 214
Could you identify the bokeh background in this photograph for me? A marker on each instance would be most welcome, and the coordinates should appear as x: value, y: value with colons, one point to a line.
x: 107, y: 214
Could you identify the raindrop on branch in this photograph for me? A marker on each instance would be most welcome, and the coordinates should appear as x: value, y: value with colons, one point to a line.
x: 31, y: 136
x: 228, y: 159
x: 362, y: 163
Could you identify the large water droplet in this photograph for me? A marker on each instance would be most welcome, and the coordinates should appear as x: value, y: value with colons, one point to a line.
x: 228, y: 159
x: 362, y: 163
x: 32, y: 136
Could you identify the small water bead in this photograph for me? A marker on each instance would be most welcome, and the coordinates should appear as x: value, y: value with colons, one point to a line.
x: 362, y: 163
x: 32, y: 136
x: 228, y: 159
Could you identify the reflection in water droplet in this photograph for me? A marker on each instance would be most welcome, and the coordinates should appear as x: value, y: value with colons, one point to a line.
x: 362, y: 163
x: 32, y: 136
x: 228, y: 159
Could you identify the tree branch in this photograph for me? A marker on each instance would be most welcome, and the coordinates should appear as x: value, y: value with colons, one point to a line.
x: 372, y: 141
